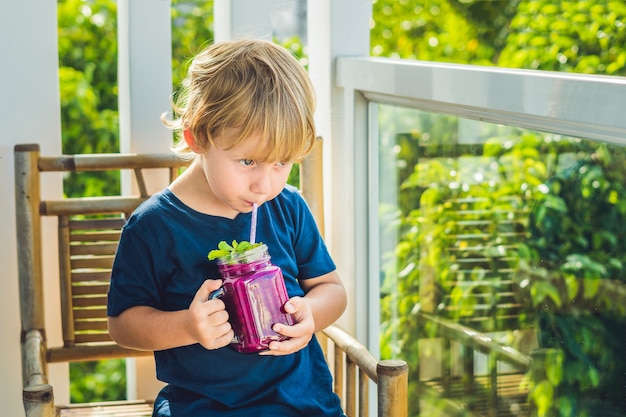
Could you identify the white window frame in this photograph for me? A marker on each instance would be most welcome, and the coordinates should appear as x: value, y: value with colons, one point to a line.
x: 579, y: 105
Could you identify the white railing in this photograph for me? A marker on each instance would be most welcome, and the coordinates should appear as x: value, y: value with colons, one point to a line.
x: 581, y: 105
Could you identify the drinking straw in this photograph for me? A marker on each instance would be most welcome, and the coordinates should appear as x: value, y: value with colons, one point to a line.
x: 253, y: 223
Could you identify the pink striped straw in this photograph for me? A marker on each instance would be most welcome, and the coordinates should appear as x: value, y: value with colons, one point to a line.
x: 253, y: 223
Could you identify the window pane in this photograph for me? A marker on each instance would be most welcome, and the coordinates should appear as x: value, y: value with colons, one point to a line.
x: 499, y: 245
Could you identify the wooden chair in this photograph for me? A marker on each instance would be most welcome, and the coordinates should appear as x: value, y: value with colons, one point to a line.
x: 88, y: 232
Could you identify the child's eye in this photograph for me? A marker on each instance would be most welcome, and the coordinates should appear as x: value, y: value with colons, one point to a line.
x: 281, y: 163
x: 246, y: 162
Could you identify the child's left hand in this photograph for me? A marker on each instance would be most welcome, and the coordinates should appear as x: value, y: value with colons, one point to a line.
x: 299, y: 334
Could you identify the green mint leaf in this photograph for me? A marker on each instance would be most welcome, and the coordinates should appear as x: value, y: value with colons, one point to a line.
x: 224, y: 249
x: 243, y: 246
x: 225, y: 246
x: 217, y: 253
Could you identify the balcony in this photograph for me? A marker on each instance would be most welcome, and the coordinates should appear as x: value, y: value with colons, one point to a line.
x: 438, y: 184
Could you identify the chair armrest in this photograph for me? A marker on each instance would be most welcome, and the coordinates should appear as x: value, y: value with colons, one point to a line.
x: 390, y: 376
x: 353, y: 350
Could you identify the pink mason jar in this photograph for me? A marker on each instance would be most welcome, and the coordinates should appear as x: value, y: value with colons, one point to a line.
x: 254, y: 293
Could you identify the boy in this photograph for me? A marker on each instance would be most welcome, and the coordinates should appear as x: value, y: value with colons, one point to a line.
x: 245, y: 115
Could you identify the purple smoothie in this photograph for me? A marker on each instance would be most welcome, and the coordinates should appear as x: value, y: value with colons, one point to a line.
x: 254, y: 293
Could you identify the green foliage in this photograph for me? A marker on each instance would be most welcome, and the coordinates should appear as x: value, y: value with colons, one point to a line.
x: 429, y: 30
x: 192, y: 31
x: 98, y: 381
x: 86, y: 45
x: 581, y: 233
x: 585, y: 36
x: 234, y: 248
x: 88, y: 88
x: 489, y: 18
x: 577, y: 234
x: 422, y: 268
x: 296, y: 47
x: 574, y: 36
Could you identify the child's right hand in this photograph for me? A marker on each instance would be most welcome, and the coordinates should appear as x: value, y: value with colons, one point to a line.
x: 207, y: 320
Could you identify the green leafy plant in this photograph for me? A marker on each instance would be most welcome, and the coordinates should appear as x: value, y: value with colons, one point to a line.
x: 224, y: 249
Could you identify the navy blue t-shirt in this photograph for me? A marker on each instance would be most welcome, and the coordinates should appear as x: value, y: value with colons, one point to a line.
x: 162, y: 262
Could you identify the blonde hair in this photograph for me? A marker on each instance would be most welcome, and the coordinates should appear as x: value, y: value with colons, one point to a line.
x: 254, y: 86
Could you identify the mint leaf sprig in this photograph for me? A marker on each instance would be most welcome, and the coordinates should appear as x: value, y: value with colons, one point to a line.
x: 224, y: 249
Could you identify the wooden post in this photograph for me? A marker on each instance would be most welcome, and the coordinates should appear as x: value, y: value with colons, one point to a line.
x: 38, y: 401
x: 37, y: 394
x: 311, y: 183
x: 28, y: 224
x: 393, y: 380
x: 65, y: 277
x: 29, y: 236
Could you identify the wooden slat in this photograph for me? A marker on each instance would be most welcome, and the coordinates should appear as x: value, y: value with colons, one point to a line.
x: 65, y: 281
x: 90, y: 313
x: 97, y: 223
x: 323, y: 341
x: 363, y: 394
x: 83, y: 326
x: 351, y: 387
x: 110, y: 161
x: 83, y: 338
x: 86, y: 276
x: 111, y: 235
x: 98, y: 289
x: 90, y: 301
x: 90, y: 337
x: 103, y: 409
x: 339, y: 374
x: 90, y: 205
x: 108, y: 350
x: 96, y: 262
x: 94, y: 249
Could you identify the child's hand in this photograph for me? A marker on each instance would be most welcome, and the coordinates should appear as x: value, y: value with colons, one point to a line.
x: 207, y: 320
x: 299, y: 334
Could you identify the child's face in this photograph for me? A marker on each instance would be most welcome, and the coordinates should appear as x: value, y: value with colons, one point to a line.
x: 236, y: 180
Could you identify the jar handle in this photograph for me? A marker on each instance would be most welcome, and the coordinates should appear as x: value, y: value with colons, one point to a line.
x: 217, y: 293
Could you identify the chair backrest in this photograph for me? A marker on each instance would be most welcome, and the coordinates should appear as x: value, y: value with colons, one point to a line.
x: 88, y: 232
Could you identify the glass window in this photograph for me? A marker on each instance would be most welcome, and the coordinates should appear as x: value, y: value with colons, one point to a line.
x: 500, y: 247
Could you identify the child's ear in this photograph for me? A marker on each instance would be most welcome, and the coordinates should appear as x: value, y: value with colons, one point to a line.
x: 191, y: 141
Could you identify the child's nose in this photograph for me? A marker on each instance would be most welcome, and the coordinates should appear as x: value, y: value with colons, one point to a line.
x: 262, y: 183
